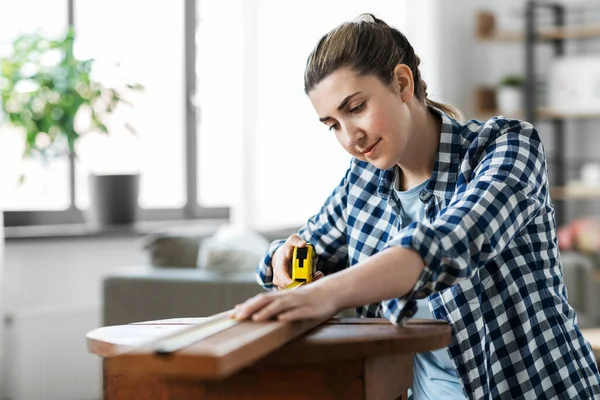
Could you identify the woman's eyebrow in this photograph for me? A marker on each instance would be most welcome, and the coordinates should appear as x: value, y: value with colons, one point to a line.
x: 343, y: 104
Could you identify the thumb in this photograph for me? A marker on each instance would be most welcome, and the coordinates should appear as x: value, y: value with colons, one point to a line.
x: 296, y: 240
x: 299, y: 242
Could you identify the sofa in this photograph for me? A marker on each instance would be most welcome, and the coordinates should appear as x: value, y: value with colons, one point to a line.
x: 172, y: 285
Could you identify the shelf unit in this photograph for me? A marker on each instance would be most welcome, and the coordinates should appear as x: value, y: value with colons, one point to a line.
x: 572, y: 192
x: 582, y: 32
x: 556, y: 37
x: 542, y: 114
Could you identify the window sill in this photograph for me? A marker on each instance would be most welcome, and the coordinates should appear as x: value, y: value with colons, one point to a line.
x: 138, y: 229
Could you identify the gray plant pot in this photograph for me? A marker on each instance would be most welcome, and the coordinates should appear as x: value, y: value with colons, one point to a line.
x: 113, y: 199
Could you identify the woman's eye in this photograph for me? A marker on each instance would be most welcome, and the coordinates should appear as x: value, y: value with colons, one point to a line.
x: 358, y: 108
x: 333, y: 127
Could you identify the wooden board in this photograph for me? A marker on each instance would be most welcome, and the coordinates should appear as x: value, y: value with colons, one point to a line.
x: 249, y: 343
x: 346, y: 339
x: 215, y: 357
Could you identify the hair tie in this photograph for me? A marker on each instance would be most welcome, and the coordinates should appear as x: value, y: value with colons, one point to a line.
x: 364, y: 18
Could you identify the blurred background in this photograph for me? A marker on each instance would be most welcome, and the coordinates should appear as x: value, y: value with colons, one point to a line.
x: 150, y: 151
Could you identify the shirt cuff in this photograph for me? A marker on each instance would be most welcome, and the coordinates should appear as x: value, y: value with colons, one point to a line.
x: 264, y: 271
x: 422, y: 239
x: 399, y: 311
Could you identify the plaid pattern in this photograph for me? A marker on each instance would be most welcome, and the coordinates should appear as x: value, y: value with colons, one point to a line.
x: 492, y: 263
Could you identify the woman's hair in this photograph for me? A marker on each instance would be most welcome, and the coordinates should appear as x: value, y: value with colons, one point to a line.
x: 370, y: 47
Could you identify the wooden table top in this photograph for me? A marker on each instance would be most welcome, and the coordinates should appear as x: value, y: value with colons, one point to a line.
x: 336, y: 339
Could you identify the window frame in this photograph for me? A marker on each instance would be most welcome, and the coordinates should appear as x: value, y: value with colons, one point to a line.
x: 191, y: 209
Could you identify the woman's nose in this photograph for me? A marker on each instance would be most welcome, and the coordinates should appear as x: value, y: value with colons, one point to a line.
x: 352, y: 136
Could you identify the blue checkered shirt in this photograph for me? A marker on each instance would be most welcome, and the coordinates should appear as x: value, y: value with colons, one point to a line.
x: 492, y: 265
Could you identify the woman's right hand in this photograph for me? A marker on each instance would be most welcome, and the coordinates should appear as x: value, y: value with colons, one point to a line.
x: 282, y: 261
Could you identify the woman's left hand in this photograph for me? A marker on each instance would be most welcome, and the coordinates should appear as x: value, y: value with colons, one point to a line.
x: 306, y: 302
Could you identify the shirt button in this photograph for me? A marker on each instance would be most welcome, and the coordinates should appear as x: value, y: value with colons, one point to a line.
x: 424, y: 196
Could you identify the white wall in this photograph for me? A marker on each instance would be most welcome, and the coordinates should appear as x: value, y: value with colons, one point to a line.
x: 286, y: 145
x: 52, y: 295
x: 465, y: 63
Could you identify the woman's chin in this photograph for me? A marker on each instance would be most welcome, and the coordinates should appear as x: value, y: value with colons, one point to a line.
x: 382, y: 163
x: 379, y: 162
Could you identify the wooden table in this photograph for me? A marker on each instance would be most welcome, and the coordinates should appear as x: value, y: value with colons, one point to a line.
x: 339, y: 359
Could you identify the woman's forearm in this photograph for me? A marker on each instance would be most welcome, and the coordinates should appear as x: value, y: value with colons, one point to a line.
x: 386, y: 275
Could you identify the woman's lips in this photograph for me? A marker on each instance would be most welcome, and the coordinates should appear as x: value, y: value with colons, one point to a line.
x: 369, y: 151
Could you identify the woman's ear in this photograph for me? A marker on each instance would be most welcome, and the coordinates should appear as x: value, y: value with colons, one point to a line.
x: 403, y: 82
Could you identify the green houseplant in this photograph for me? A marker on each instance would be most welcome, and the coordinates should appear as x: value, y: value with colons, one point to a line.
x: 512, y: 80
x: 510, y: 95
x: 43, y: 87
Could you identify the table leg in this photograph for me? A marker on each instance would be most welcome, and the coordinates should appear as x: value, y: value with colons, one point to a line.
x: 388, y: 377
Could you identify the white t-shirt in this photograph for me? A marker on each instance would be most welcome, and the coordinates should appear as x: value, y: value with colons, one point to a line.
x: 434, y: 372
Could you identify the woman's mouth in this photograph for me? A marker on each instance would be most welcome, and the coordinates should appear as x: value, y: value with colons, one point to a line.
x: 369, y: 150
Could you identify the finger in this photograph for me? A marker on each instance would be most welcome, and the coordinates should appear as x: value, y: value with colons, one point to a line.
x: 232, y: 312
x: 281, y: 280
x: 295, y: 314
x: 295, y: 240
x: 252, y: 305
x: 318, y: 275
x: 273, y: 309
x: 281, y: 275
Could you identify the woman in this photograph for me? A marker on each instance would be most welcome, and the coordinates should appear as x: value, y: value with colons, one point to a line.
x: 448, y: 220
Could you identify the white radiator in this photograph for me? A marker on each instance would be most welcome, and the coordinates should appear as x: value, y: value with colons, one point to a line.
x: 45, y: 354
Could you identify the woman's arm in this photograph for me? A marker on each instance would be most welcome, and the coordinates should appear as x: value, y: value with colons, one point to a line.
x: 375, y: 279
x: 389, y: 274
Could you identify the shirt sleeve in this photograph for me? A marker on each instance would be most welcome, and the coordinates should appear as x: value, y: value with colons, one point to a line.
x: 326, y: 230
x: 506, y: 192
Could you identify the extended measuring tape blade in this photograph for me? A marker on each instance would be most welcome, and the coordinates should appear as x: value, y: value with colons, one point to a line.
x: 294, y: 285
x: 194, y: 334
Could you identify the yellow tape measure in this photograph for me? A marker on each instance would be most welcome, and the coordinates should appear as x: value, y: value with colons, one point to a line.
x: 304, y: 264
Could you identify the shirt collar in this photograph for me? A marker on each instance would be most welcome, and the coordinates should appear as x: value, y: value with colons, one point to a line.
x: 445, y: 169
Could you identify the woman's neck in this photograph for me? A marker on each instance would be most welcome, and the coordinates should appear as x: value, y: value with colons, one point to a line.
x: 421, y: 152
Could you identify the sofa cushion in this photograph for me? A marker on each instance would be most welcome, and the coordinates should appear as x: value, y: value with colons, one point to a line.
x: 148, y: 293
x: 232, y: 248
x: 181, y: 249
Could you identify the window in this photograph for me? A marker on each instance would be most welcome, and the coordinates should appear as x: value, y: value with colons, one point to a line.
x: 220, y: 69
x: 46, y: 184
x: 146, y: 40
x: 255, y: 128
x: 143, y: 42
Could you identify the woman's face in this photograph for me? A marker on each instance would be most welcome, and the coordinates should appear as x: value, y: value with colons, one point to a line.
x: 370, y: 120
